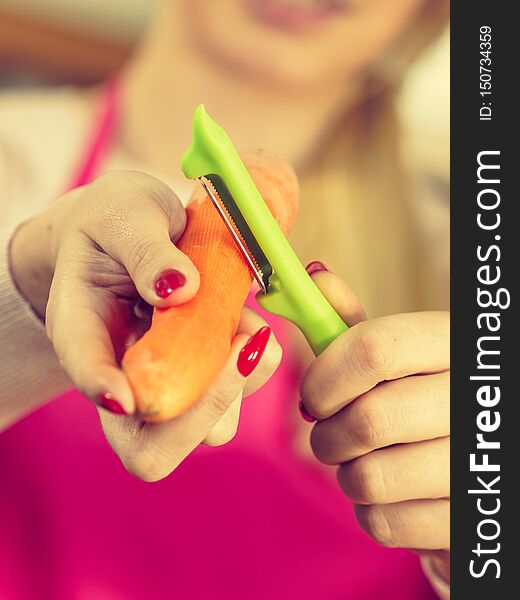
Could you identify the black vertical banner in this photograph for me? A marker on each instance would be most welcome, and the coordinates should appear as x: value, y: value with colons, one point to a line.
x: 485, y: 271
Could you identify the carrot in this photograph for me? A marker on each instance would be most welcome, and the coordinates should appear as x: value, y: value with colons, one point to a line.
x: 186, y: 346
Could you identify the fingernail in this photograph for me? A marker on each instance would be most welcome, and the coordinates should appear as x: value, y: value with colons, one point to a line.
x: 305, y: 415
x: 253, y: 351
x: 168, y: 282
x: 109, y: 403
x: 315, y: 266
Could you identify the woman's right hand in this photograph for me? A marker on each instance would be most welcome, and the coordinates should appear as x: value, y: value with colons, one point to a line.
x: 95, y: 264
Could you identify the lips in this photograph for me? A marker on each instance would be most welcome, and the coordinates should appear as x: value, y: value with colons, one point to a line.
x: 297, y: 15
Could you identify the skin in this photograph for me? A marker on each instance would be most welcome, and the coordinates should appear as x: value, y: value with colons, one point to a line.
x: 380, y: 391
x: 345, y: 46
x: 88, y: 266
x: 296, y: 87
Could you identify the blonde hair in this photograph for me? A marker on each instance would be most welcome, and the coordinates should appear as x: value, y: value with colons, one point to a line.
x: 354, y: 195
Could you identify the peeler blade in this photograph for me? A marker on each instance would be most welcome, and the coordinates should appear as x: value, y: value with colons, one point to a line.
x: 246, y: 242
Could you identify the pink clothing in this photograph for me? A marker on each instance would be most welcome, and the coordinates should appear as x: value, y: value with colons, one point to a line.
x: 249, y: 520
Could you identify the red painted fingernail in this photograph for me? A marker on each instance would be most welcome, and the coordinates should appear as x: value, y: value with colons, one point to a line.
x: 305, y: 415
x: 253, y: 351
x: 109, y: 403
x: 168, y: 282
x: 315, y: 266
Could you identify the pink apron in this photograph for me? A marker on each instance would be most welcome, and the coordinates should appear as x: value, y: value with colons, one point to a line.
x: 249, y: 520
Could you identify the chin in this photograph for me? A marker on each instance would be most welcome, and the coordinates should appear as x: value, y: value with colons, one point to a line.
x: 229, y: 33
x: 278, y: 72
x: 285, y: 47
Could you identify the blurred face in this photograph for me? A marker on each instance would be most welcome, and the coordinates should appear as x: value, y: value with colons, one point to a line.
x: 298, y: 43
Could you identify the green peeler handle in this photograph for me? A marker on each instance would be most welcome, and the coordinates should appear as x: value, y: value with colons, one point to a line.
x: 308, y: 309
x: 292, y: 293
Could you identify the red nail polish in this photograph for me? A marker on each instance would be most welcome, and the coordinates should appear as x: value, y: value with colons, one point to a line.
x: 253, y: 351
x: 305, y: 415
x: 169, y: 281
x: 315, y: 266
x: 109, y: 403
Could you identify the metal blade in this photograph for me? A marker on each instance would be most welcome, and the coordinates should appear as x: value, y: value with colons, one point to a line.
x: 239, y: 229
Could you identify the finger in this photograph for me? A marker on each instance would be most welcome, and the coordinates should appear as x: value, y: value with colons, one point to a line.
x: 155, y: 450
x: 437, y: 562
x: 399, y: 473
x: 406, y: 410
x: 338, y: 293
x: 419, y: 524
x: 250, y: 322
x: 226, y: 427
x: 84, y: 346
x: 141, y: 218
x: 380, y: 349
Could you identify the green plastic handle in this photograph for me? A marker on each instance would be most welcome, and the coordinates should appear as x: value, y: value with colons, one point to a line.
x: 292, y: 293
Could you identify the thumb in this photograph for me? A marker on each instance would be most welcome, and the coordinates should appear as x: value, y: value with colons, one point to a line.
x: 140, y: 218
x: 338, y: 293
x: 163, y: 275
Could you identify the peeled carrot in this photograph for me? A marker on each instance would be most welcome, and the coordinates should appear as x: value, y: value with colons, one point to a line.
x: 186, y: 346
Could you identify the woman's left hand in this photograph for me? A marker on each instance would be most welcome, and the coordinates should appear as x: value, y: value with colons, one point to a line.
x: 380, y: 393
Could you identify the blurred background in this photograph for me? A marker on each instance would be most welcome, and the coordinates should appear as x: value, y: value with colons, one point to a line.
x: 67, y: 41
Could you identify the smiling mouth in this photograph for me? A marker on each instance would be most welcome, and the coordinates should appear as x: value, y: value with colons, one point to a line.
x: 297, y: 15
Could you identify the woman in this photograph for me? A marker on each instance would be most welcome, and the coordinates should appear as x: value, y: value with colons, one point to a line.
x: 256, y: 518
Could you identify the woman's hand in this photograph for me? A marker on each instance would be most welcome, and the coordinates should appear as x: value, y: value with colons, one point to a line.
x: 380, y: 393
x: 109, y: 248
x: 95, y: 263
x: 153, y: 451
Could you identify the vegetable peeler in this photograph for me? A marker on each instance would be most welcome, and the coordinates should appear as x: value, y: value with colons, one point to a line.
x: 285, y: 287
